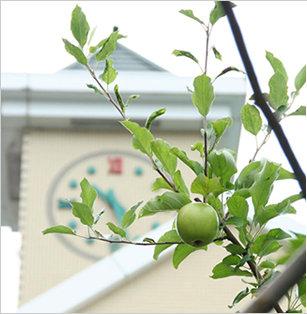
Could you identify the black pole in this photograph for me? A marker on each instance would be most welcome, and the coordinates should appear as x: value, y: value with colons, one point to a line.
x: 259, y: 99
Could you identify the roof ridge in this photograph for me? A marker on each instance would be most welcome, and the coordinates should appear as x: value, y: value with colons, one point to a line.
x: 124, y: 59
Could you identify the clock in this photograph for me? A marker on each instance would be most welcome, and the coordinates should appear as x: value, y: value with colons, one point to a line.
x: 121, y: 179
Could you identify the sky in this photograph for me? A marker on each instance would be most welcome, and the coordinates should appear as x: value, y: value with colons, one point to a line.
x: 31, y: 33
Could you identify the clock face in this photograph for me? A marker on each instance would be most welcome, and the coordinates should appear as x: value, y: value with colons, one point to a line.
x: 121, y: 179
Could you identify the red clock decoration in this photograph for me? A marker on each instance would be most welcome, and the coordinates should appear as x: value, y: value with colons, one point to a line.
x: 115, y: 165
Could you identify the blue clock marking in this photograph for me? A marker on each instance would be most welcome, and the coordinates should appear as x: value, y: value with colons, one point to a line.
x: 89, y: 241
x: 57, y: 204
x: 72, y: 224
x: 73, y: 184
x: 110, y: 198
x: 155, y: 225
x: 63, y: 204
x: 138, y: 171
x: 114, y: 247
x: 91, y: 170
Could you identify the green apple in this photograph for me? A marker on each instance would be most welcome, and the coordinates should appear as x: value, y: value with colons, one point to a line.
x: 197, y: 224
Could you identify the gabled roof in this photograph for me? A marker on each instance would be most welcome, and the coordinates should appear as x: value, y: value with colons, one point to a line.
x: 124, y: 60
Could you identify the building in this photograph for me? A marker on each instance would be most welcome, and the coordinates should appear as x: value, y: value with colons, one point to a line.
x: 55, y: 132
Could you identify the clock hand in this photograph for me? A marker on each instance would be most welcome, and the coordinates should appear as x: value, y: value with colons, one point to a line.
x: 117, y: 207
x: 110, y: 198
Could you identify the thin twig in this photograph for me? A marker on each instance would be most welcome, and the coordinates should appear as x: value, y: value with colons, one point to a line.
x: 109, y: 97
x: 266, y: 138
x: 167, y: 180
x: 207, y: 48
x: 152, y: 243
x: 106, y: 93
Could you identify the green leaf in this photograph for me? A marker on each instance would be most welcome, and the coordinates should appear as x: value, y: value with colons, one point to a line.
x: 291, y: 247
x: 203, y: 94
x: 215, y: 203
x: 285, y: 174
x: 91, y: 35
x: 79, y: 26
x: 149, y: 240
x: 108, y: 46
x: 130, y: 98
x: 217, y: 12
x: 117, y: 230
x: 154, y: 116
x: 162, y: 150
x: 119, y: 98
x: 142, y: 137
x: 222, y: 270
x: 94, y: 88
x: 181, y: 252
x: 160, y: 183
x: 239, y: 297
x: 183, y: 53
x: 247, y: 176
x: 271, y: 211
x: 109, y: 74
x: 222, y: 164
x: 234, y: 249
x: 59, y: 229
x: 268, y: 243
x: 278, y: 91
x: 88, y: 194
x: 169, y: 236
x: 199, y: 146
x: 228, y: 69
x: 267, y: 264
x: 75, y: 51
x: 301, y: 111
x: 251, y: 119
x: 263, y: 185
x: 302, y: 290
x: 276, y: 64
x: 130, y: 216
x: 180, y: 184
x: 220, y: 126
x: 83, y: 212
x: 251, y: 171
x: 300, y: 79
x: 93, y: 49
x: 190, y: 14
x: 182, y: 155
x: 204, y: 185
x: 217, y: 54
x: 168, y: 201
x: 236, y: 221
x: 232, y: 260
x: 237, y: 206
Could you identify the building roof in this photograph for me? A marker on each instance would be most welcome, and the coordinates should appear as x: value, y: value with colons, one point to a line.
x: 124, y: 60
x: 82, y: 288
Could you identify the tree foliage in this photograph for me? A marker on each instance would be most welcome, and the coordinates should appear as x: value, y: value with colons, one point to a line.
x: 241, y: 198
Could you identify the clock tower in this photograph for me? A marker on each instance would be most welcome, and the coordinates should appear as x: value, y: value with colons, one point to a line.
x: 68, y: 133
